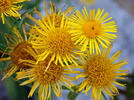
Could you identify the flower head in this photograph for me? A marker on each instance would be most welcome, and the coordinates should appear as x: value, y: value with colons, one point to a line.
x: 49, y: 80
x: 16, y: 51
x: 10, y: 8
x: 87, y: 2
x: 53, y: 17
x: 55, y: 38
x: 100, y: 74
x: 92, y: 30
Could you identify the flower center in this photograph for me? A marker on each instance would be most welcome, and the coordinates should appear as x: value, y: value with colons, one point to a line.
x: 59, y: 41
x: 20, y: 53
x: 100, y: 71
x: 92, y: 29
x: 52, y: 74
x: 5, y: 5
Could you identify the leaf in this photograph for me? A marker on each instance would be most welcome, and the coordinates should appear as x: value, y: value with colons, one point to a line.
x: 3, y: 65
x: 23, y: 17
x: 9, y: 23
x: 29, y: 5
x: 115, y: 98
x: 72, y: 95
x: 104, y: 95
x: 11, y: 88
x: 64, y: 88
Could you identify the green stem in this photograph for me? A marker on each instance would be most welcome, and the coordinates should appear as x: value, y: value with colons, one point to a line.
x: 104, y: 95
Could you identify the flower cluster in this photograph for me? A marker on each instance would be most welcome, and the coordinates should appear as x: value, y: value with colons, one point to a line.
x: 10, y: 8
x: 59, y: 44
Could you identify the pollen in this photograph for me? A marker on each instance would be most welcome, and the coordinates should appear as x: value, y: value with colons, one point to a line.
x: 59, y: 41
x: 53, y: 73
x: 100, y: 71
x: 20, y: 53
x: 92, y: 29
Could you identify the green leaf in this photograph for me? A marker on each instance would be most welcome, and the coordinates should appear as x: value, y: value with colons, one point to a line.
x: 29, y: 5
x: 3, y: 65
x: 115, y: 98
x: 11, y: 88
x: 65, y: 88
x: 73, y: 94
x: 9, y: 23
x: 23, y: 17
x: 104, y: 95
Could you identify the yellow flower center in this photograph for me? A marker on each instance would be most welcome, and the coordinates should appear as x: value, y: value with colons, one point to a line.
x: 100, y: 71
x: 20, y: 53
x: 59, y: 41
x: 52, y: 74
x: 92, y: 29
x: 5, y: 5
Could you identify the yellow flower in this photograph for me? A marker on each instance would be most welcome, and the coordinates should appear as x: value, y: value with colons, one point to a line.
x: 87, y: 2
x: 54, y: 16
x: 49, y: 80
x: 16, y: 51
x: 92, y: 30
x: 55, y: 38
x: 10, y: 8
x: 101, y: 73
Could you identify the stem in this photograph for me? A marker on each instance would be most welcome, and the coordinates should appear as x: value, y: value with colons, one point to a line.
x: 104, y: 96
x: 52, y: 95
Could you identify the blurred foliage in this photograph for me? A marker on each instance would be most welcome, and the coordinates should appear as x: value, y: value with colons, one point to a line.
x: 56, y: 1
x: 129, y: 92
x: 15, y: 92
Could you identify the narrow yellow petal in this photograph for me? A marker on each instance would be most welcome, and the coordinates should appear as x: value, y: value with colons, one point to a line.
x: 5, y: 59
x: 119, y: 84
x: 108, y: 50
x: 115, y: 56
x: 28, y: 81
x: 36, y: 84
